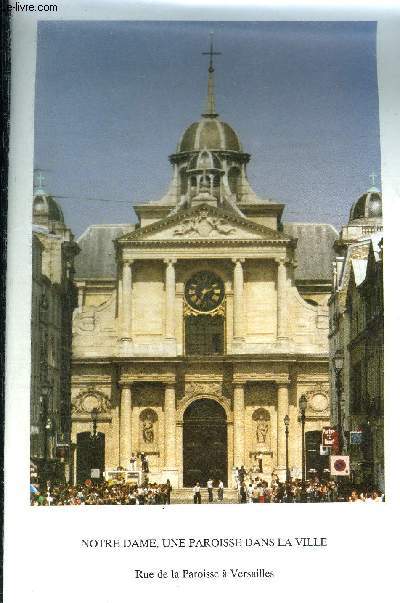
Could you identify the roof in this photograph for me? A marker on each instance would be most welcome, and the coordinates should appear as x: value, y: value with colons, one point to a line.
x: 368, y: 206
x: 314, y: 252
x: 209, y: 134
x: 46, y: 209
x: 97, y: 256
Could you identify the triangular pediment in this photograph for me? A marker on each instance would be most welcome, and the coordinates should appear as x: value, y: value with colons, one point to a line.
x: 204, y: 223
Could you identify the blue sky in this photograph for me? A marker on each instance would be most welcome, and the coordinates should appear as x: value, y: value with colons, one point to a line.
x: 113, y: 98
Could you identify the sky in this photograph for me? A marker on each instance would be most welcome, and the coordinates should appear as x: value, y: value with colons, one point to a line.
x: 113, y: 99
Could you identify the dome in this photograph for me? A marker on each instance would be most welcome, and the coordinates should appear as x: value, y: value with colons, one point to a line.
x: 209, y: 133
x: 46, y: 209
x: 368, y: 206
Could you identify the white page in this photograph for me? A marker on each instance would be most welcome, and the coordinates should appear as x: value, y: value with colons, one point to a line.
x: 45, y: 553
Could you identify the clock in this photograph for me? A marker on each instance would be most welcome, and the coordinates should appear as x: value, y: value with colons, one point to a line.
x: 204, y: 291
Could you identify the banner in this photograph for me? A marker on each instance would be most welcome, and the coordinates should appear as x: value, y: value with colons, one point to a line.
x: 330, y: 437
x: 340, y: 465
x: 356, y: 437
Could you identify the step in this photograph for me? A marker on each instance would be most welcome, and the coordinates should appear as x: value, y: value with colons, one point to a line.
x: 185, y: 495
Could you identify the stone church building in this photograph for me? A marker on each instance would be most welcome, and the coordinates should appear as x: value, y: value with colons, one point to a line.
x: 199, y: 327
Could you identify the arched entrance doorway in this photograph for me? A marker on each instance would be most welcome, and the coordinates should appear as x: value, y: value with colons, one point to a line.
x: 205, y: 444
x: 90, y: 456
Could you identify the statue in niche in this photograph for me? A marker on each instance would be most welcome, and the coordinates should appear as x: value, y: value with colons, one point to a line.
x: 261, y: 418
x: 261, y: 431
x: 148, y: 427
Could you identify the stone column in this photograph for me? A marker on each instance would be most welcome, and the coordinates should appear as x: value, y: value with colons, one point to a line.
x: 170, y: 470
x: 238, y: 424
x: 238, y: 296
x: 170, y: 299
x: 282, y: 410
x: 282, y: 300
x: 125, y: 426
x: 126, y: 306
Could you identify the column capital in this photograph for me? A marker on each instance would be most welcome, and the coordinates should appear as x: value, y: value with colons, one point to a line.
x: 238, y: 260
x: 169, y: 383
x: 124, y: 383
x: 169, y: 261
x: 281, y: 261
x: 283, y: 382
x: 127, y: 263
x: 239, y: 382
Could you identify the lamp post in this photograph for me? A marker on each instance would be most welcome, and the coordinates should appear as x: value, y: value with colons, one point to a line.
x: 46, y: 420
x: 302, y: 408
x: 46, y: 425
x: 94, y: 452
x: 94, y: 414
x: 286, y: 421
x: 338, y: 362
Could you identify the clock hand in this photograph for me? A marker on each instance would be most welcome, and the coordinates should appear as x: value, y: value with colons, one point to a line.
x: 204, y: 292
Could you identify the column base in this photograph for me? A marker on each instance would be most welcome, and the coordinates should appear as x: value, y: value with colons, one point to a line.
x: 172, y: 475
x: 238, y: 343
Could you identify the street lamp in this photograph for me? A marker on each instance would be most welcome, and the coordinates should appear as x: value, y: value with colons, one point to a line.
x: 94, y: 457
x: 338, y: 362
x: 286, y: 421
x: 46, y: 420
x: 94, y: 414
x: 302, y: 408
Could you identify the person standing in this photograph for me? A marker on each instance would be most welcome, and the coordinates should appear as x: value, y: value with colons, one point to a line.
x: 250, y: 490
x: 168, y: 490
x: 236, y: 477
x: 197, y: 494
x: 220, y: 490
x: 210, y: 490
x: 243, y: 492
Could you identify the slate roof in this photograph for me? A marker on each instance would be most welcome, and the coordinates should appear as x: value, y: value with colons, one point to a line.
x: 314, y: 252
x: 97, y: 256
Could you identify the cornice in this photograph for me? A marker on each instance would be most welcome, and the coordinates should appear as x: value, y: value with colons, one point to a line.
x: 206, y: 243
x: 135, y: 236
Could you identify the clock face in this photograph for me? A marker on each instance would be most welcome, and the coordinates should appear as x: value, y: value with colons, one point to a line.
x: 204, y: 291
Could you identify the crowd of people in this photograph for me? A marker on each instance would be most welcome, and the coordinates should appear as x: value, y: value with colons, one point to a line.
x: 294, y: 492
x: 103, y: 493
x: 253, y: 489
x: 250, y: 488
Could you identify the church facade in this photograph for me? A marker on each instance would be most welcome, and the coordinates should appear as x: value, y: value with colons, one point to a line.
x: 198, y: 328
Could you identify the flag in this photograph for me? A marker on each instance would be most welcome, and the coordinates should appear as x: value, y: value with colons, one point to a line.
x: 340, y: 465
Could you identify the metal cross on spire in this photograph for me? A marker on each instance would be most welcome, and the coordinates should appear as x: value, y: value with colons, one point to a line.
x: 39, y: 180
x: 210, y: 110
x: 211, y: 53
x: 373, y: 176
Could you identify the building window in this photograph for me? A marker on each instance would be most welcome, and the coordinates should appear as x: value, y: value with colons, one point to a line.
x: 204, y: 335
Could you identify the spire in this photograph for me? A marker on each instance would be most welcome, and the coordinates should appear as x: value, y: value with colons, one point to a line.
x: 373, y: 188
x: 38, y: 181
x: 210, y: 110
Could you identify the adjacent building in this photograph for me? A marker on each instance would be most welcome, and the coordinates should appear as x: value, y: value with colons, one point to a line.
x: 53, y: 300
x: 356, y: 340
